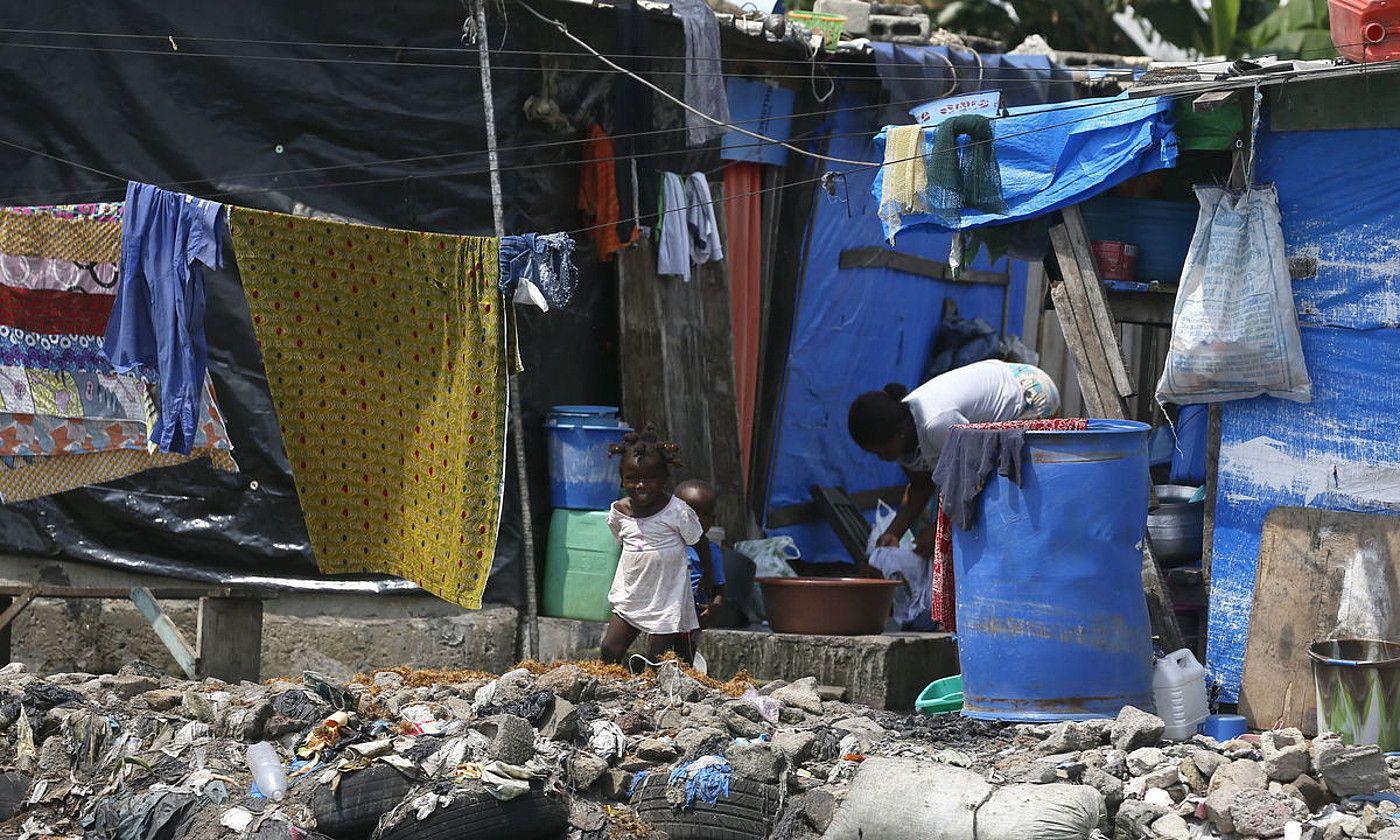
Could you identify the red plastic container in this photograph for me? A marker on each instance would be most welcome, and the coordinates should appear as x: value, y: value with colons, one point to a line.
x: 1115, y: 260
x: 1365, y: 30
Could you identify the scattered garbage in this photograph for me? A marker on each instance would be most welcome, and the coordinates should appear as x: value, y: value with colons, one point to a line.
x: 399, y: 754
x: 267, y: 770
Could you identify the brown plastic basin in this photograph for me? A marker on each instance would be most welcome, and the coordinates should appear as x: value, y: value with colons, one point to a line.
x: 828, y: 606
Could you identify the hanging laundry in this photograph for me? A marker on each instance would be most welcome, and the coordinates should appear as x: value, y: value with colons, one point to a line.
x: 904, y: 176
x: 963, y: 176
x: 743, y: 211
x: 1047, y: 161
x: 704, y: 74
x: 672, y: 228
x: 688, y: 234
x: 705, y: 245
x: 538, y: 269
x: 67, y: 419
x: 597, y: 195
x: 385, y: 357
x: 157, y: 324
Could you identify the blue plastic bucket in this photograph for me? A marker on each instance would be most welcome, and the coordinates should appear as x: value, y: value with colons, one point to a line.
x: 582, y: 476
x: 1052, y: 622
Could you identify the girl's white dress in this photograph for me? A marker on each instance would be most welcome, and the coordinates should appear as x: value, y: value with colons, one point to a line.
x: 651, y: 590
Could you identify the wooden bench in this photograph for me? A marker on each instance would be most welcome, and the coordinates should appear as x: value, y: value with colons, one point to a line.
x: 228, y: 638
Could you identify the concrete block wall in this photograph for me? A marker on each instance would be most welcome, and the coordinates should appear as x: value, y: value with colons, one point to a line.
x: 337, y: 635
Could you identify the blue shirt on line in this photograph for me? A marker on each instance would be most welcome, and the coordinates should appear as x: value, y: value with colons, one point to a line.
x: 716, y: 570
x: 157, y: 321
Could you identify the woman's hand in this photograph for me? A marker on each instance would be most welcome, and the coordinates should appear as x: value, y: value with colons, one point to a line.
x: 889, y: 539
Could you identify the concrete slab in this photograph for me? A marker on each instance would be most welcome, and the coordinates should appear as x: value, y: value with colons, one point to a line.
x: 886, y: 671
x: 337, y: 635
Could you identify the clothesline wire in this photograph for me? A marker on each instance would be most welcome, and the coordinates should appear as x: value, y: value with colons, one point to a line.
x: 473, y: 153
x: 856, y: 166
x: 471, y: 64
x: 1138, y: 104
x: 399, y: 48
x: 872, y: 77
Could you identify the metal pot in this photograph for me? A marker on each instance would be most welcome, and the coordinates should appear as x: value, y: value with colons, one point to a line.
x: 1176, y: 525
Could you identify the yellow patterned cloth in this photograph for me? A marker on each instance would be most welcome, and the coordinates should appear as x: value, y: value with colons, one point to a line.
x: 905, y: 174
x: 84, y: 240
x: 385, y: 358
x: 33, y: 477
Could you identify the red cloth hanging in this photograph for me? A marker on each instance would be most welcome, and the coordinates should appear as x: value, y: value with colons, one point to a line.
x: 743, y: 216
x: 597, y: 194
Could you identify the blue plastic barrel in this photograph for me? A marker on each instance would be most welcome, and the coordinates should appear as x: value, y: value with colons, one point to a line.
x: 581, y: 474
x: 1052, y: 621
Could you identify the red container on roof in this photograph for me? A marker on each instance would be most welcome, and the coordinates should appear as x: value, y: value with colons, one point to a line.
x: 1365, y: 30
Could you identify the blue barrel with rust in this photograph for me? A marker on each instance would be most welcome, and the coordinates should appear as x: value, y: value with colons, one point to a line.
x: 1052, y: 621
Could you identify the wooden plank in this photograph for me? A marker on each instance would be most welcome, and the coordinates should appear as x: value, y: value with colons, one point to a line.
x: 229, y: 638
x: 6, y: 638
x: 13, y: 607
x: 1160, y: 609
x: 877, y: 256
x: 1084, y: 340
x: 1213, y: 101
x: 1335, y: 105
x: 1087, y: 290
x: 1099, y: 397
x: 676, y: 350
x: 1152, y: 308
x: 1311, y: 73
x: 1212, y: 478
x: 809, y: 511
x: 163, y: 593
x: 1305, y: 557
x: 166, y: 631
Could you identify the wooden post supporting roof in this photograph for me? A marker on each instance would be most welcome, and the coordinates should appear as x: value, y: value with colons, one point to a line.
x: 1092, y: 337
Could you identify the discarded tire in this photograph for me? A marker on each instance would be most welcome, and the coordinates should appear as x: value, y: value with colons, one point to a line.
x: 14, y: 787
x: 746, y: 814
x: 352, y: 811
x: 536, y: 815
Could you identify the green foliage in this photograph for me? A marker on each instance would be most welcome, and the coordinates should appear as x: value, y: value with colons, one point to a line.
x: 1232, y: 28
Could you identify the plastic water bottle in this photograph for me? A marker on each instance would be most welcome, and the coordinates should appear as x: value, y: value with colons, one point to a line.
x: 1179, y: 689
x: 267, y: 770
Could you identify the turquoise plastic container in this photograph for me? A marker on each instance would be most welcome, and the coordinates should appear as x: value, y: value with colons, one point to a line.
x: 579, y: 565
x: 1052, y: 622
x: 582, y: 476
x: 941, y: 696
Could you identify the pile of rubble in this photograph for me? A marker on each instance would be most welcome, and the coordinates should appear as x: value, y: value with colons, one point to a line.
x: 586, y: 752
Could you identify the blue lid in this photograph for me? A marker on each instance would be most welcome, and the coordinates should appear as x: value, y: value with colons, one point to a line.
x: 586, y: 410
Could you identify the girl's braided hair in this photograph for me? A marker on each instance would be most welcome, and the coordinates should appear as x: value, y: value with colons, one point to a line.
x: 647, y: 446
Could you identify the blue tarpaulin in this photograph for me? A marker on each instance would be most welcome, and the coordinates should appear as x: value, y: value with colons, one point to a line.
x: 1338, y: 452
x: 855, y: 330
x: 1052, y: 156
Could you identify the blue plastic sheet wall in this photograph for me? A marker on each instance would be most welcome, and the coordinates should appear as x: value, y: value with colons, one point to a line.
x: 855, y: 330
x: 1340, y: 451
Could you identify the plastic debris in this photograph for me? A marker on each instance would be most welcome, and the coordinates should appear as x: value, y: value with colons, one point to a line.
x: 706, y: 778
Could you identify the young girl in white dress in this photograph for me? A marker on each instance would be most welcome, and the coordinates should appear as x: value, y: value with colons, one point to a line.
x: 651, y: 590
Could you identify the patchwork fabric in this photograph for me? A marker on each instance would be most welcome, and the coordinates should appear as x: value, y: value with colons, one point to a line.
x: 384, y: 352
x: 67, y: 419
x: 44, y: 274
x: 25, y: 434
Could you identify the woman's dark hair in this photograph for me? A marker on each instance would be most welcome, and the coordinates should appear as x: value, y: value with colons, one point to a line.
x: 877, y: 416
x: 647, y: 448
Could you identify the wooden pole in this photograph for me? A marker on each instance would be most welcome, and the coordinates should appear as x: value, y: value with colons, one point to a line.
x: 529, y: 644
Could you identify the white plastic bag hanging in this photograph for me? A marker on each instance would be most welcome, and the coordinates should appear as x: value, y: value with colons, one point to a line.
x: 770, y: 556
x: 884, y: 518
x: 1234, y: 327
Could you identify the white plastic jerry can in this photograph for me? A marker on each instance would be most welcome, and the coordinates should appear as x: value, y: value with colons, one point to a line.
x: 1179, y: 690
